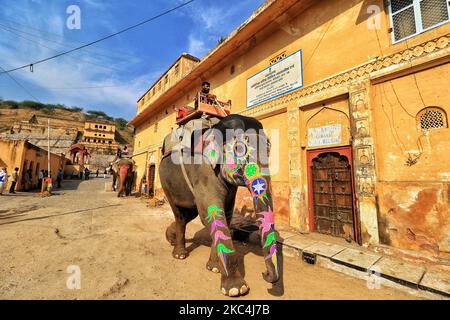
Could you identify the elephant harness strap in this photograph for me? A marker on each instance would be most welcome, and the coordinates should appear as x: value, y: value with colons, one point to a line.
x: 183, y: 170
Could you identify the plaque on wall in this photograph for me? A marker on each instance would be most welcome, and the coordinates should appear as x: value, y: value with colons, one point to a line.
x: 324, y: 136
x: 276, y: 80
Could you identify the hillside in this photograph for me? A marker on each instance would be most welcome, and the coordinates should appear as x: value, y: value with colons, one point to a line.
x: 59, y: 115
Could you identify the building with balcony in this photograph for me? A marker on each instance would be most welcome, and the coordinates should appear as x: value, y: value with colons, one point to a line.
x: 99, y: 136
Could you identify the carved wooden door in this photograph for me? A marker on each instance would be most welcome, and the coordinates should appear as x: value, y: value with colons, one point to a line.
x: 151, y: 180
x: 332, y: 195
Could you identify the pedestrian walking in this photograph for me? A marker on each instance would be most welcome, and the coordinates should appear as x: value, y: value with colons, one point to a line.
x: 105, y: 173
x: 59, y: 177
x: 96, y: 173
x: 3, y: 179
x: 14, y: 179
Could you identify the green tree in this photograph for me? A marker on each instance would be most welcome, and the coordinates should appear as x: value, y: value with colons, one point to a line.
x: 121, y: 123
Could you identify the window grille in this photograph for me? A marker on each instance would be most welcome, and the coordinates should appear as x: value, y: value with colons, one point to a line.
x: 431, y: 118
x: 411, y: 17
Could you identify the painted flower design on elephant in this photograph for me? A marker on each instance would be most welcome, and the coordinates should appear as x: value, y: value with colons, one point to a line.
x: 259, y: 189
x: 215, y: 213
x: 251, y: 170
x: 215, y: 224
x: 231, y: 165
x: 211, y: 151
x: 220, y: 235
x: 267, y: 226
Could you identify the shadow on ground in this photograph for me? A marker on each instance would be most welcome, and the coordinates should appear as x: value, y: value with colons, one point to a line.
x: 245, y: 242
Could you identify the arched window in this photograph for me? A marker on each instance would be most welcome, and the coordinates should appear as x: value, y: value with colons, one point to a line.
x: 431, y: 118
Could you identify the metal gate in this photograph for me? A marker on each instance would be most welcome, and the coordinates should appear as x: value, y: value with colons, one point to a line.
x: 332, y: 195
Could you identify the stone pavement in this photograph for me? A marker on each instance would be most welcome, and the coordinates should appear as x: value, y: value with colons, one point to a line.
x: 364, y: 264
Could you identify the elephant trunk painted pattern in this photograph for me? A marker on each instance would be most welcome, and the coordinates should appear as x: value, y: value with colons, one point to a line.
x: 262, y: 200
x: 241, y: 164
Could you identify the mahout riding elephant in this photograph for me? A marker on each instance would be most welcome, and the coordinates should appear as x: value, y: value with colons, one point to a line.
x: 230, y: 157
x: 124, y: 170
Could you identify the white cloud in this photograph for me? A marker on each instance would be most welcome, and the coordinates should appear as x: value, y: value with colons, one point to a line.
x: 123, y: 86
x: 196, y: 46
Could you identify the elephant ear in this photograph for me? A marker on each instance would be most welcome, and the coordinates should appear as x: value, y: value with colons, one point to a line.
x: 212, y: 148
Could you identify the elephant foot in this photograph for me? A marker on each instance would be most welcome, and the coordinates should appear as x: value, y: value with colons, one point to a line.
x: 234, y: 286
x: 180, y: 253
x: 171, y: 234
x: 270, y: 277
x: 213, y: 266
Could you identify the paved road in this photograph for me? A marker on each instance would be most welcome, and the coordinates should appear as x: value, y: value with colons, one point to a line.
x: 121, y: 252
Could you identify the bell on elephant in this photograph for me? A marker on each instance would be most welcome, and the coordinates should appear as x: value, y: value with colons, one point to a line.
x: 235, y: 153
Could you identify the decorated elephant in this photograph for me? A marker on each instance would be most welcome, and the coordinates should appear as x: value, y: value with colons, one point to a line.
x: 123, y: 170
x: 234, y: 153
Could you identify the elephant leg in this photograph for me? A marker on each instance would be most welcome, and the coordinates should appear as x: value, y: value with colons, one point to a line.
x: 127, y: 187
x: 213, y: 263
x: 182, y: 217
x: 214, y: 218
x: 175, y: 233
x: 119, y: 194
x: 171, y: 234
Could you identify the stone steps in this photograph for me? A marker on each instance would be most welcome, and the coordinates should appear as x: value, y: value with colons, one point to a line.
x: 376, y: 269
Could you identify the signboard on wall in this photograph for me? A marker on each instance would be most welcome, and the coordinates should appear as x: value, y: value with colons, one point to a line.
x: 324, y: 136
x: 276, y: 80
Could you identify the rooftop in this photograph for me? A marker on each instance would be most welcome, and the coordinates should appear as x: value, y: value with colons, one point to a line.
x: 262, y: 17
x: 183, y: 55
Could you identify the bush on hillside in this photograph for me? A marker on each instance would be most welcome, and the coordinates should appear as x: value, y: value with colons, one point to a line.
x: 93, y: 114
x: 11, y: 104
x: 121, y: 123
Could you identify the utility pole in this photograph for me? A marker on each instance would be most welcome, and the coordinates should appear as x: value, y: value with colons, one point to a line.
x: 48, y: 140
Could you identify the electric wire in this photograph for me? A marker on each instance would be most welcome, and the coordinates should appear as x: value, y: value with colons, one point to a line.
x: 319, y: 42
x: 411, y: 159
x: 20, y: 85
x: 57, y: 42
x: 57, y: 51
x: 30, y: 65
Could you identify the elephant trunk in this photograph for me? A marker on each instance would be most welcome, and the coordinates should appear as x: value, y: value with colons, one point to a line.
x: 262, y: 200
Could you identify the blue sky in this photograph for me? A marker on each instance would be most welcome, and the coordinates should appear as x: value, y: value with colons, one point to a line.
x: 125, y: 66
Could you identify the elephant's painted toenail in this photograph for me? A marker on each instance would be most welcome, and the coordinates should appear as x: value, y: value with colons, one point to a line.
x: 244, y: 289
x: 234, y: 292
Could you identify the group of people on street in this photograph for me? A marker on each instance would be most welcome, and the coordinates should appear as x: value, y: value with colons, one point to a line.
x: 4, y: 180
x: 26, y: 179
